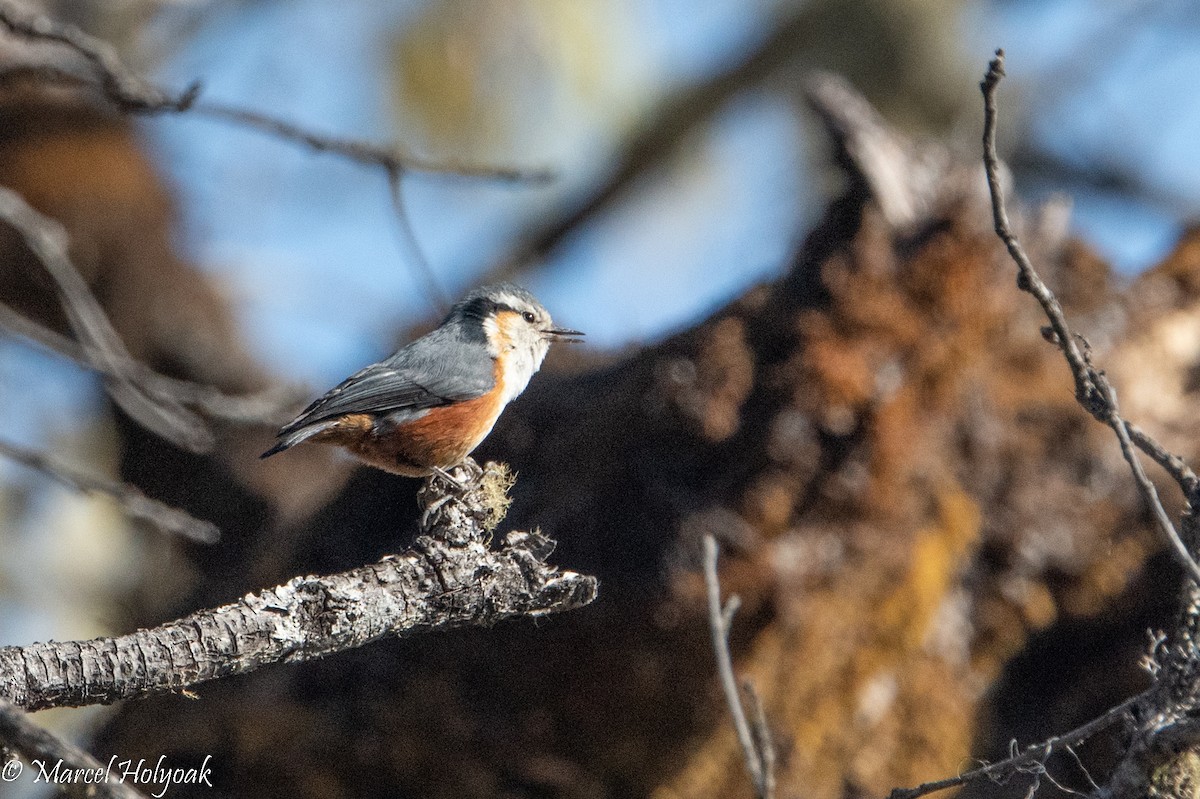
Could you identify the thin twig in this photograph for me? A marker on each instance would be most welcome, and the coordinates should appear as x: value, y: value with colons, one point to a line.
x: 390, y: 159
x: 133, y: 93
x: 122, y: 85
x: 1145, y: 486
x: 1028, y: 280
x: 270, y: 406
x: 763, y: 740
x: 1170, y: 462
x: 47, y: 240
x: 1079, y: 763
x: 37, y: 745
x: 1032, y: 754
x: 1092, y: 388
x: 408, y: 239
x: 757, y: 748
x: 132, y: 501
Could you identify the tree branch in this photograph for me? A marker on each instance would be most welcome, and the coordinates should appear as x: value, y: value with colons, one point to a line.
x: 1094, y: 392
x: 272, y: 406
x: 449, y: 578
x: 757, y: 747
x: 1033, y: 754
x: 47, y: 239
x: 132, y: 501
x: 123, y: 86
x: 390, y: 159
x: 1092, y: 388
x: 35, y: 744
x: 132, y: 93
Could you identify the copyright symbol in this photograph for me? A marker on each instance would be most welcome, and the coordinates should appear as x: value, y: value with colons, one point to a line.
x: 12, y: 770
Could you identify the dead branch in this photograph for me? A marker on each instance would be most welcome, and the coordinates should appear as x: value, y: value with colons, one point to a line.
x: 47, y: 239
x: 758, y: 748
x: 36, y: 745
x: 272, y: 406
x: 1092, y: 388
x: 132, y: 501
x: 1034, y: 754
x: 132, y: 93
x: 1096, y: 395
x: 390, y: 159
x: 449, y: 578
x: 885, y: 160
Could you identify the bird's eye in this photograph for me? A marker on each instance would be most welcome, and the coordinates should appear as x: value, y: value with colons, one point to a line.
x: 529, y: 317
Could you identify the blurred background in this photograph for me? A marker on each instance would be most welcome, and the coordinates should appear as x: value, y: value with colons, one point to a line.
x: 685, y: 169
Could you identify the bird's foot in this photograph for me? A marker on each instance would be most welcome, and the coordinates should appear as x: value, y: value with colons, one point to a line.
x: 451, y: 485
x: 449, y: 478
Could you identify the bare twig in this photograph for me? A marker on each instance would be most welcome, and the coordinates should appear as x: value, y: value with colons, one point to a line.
x: 1170, y: 462
x: 408, y: 239
x: 132, y: 93
x: 1031, y: 755
x: 124, y: 87
x: 757, y: 746
x: 390, y: 159
x: 39, y: 746
x: 1097, y: 396
x: 1070, y: 750
x: 1092, y: 388
x: 47, y: 239
x: 449, y: 578
x: 763, y: 740
x: 271, y: 406
x: 131, y: 500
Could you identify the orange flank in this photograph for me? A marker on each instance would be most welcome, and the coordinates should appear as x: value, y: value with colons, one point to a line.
x: 442, y: 437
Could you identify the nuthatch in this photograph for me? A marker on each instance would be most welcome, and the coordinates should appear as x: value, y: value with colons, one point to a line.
x: 428, y: 406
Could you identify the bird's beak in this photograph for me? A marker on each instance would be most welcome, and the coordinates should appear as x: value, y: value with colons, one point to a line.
x: 562, y: 334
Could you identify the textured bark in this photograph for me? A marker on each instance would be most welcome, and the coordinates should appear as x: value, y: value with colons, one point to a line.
x: 449, y: 578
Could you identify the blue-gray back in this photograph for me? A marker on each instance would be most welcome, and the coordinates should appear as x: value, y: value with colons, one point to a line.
x: 442, y: 367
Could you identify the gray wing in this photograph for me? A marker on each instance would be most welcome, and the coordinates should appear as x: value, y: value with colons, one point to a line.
x: 437, y: 369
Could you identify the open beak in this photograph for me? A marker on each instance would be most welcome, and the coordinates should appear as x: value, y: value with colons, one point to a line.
x: 562, y: 334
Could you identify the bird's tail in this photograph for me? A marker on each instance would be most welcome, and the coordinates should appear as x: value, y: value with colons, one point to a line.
x: 287, y: 440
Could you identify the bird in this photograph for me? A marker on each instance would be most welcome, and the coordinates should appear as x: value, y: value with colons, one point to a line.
x: 425, y: 408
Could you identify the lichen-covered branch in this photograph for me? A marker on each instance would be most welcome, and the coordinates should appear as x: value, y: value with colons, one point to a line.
x: 449, y: 578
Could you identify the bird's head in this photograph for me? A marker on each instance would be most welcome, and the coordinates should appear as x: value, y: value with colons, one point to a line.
x: 512, y: 322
